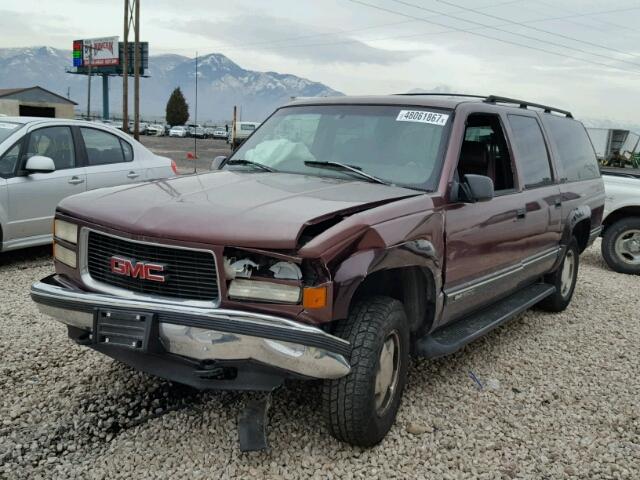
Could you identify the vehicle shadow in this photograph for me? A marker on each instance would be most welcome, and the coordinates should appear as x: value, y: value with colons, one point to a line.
x: 26, y: 256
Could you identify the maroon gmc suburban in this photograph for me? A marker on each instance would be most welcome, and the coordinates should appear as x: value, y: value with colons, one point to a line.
x: 343, y: 237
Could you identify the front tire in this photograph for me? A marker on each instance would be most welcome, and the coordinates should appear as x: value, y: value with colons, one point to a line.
x: 621, y: 246
x: 361, y: 407
x: 564, y: 279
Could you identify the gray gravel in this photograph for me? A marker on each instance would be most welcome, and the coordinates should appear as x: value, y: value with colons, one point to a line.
x: 546, y: 396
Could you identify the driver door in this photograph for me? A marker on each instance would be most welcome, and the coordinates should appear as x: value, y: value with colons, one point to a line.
x: 485, y: 240
x: 33, y: 197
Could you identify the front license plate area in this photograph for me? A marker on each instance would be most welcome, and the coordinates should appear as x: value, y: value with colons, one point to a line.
x: 134, y: 330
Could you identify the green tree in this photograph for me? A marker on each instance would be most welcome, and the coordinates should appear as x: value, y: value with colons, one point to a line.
x: 177, y: 108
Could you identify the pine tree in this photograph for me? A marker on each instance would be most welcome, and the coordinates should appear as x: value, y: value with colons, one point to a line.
x: 177, y: 108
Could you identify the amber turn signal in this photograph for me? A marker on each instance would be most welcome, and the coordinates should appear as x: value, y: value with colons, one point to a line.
x: 314, y: 297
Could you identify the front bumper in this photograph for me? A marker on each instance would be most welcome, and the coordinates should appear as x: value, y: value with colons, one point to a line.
x: 201, y: 334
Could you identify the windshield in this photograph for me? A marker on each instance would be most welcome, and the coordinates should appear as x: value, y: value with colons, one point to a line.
x: 7, y: 128
x: 398, y: 144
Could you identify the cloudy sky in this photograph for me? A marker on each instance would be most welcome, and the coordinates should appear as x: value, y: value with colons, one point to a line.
x: 583, y: 55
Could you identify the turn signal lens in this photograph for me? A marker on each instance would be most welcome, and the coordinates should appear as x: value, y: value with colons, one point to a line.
x: 65, y: 231
x: 64, y: 255
x: 265, y: 291
x: 314, y: 297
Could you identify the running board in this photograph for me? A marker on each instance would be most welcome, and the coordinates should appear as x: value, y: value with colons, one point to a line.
x: 453, y: 337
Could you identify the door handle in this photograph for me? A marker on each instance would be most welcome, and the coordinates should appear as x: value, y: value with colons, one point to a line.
x: 133, y: 174
x: 521, y: 213
x: 75, y: 180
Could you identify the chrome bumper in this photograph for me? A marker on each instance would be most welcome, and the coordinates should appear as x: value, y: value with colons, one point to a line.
x: 209, y: 333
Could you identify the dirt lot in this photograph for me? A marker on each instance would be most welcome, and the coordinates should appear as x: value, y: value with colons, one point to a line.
x: 178, y: 148
x: 556, y: 397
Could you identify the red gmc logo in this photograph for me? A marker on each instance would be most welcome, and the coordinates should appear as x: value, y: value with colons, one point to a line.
x: 143, y: 270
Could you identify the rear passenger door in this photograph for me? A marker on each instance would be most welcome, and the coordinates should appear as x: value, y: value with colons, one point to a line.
x: 540, y: 196
x: 109, y: 159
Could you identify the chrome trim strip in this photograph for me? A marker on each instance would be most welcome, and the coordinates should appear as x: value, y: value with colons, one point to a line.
x: 83, y: 265
x: 200, y: 343
x: 462, y: 290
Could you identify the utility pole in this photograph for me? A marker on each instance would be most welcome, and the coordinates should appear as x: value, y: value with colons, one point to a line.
x: 89, y: 83
x: 195, y: 132
x: 125, y: 70
x: 136, y: 62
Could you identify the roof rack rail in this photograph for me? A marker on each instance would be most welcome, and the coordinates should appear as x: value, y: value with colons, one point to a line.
x: 414, y: 94
x: 525, y: 104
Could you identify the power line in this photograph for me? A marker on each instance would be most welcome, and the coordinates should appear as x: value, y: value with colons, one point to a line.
x: 606, y: 22
x: 482, y: 35
x: 522, y: 35
x: 542, y: 30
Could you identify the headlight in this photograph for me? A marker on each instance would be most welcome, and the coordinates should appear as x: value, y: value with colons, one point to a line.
x: 65, y: 231
x: 66, y: 256
x: 264, y: 291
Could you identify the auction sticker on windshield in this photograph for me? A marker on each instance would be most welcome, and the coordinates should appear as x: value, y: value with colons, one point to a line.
x: 423, y: 117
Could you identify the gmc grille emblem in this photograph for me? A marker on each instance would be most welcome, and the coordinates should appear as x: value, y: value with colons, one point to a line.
x: 142, y: 270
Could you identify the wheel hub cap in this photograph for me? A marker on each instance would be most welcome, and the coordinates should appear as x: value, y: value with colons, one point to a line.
x: 387, y: 374
x: 627, y: 247
x: 566, y: 277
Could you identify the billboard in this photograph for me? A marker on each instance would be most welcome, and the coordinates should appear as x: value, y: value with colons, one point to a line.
x: 81, y: 58
x: 96, y: 52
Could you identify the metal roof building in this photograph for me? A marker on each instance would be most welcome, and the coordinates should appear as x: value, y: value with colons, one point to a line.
x: 34, y: 102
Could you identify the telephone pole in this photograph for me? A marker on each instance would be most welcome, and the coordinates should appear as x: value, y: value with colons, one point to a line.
x: 131, y: 21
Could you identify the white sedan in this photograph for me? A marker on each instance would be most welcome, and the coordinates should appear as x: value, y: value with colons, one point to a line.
x: 44, y: 160
x: 179, y: 131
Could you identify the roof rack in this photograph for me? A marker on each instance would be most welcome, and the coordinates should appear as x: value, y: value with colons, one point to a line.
x: 525, y: 104
x: 496, y: 99
x: 414, y: 94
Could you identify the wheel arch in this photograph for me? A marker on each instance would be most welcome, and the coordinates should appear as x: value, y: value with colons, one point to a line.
x: 578, y: 225
x: 619, y: 214
x: 409, y: 272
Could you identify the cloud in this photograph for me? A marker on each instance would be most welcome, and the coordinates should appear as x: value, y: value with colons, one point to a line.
x: 290, y: 39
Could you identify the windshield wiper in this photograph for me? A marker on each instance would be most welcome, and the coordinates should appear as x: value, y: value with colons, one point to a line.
x: 349, y: 168
x: 242, y: 161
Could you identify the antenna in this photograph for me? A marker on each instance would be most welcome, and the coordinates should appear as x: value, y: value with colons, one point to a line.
x: 195, y: 128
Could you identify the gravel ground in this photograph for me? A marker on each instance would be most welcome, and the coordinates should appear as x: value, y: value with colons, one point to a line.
x: 559, y: 399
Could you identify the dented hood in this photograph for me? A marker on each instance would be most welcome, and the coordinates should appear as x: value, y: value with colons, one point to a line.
x: 259, y: 210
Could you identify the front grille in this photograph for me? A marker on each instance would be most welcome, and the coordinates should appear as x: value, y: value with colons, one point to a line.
x: 189, y: 274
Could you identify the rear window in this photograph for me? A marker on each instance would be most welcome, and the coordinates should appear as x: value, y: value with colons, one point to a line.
x: 104, y: 148
x: 577, y: 159
x: 531, y: 151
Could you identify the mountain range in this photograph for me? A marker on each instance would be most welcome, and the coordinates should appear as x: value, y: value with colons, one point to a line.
x: 221, y: 84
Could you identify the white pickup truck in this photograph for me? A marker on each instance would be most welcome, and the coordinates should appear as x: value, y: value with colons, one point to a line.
x: 621, y: 223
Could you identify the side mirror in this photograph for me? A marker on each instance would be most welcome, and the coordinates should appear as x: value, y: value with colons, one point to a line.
x: 474, y: 188
x: 40, y: 164
x: 217, y: 162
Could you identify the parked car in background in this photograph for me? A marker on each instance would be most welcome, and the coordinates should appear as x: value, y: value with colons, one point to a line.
x: 220, y: 133
x: 241, y: 132
x: 156, y: 130
x: 208, y: 132
x: 179, y: 131
x: 195, y: 130
x: 621, y: 234
x: 333, y: 249
x: 43, y: 161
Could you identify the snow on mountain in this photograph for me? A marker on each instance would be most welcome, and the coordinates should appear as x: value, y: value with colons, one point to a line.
x: 221, y: 83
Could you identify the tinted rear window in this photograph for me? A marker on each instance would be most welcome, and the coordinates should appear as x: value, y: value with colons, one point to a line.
x: 577, y: 160
x: 532, y: 157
